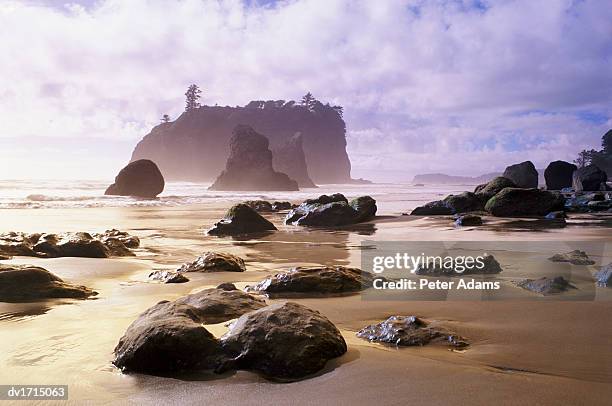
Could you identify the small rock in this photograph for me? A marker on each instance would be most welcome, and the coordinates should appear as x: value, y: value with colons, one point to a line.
x: 436, y: 208
x: 332, y: 211
x: 28, y: 283
x: 215, y: 262
x: 575, y: 257
x: 278, y: 206
x: 409, y: 331
x: 467, y: 220
x: 599, y: 205
x: 488, y: 266
x: 166, y: 276
x: 556, y: 215
x: 604, y: 276
x: 284, y: 340
x: 241, y: 219
x: 545, y: 285
x: 365, y: 207
x: 316, y: 280
x: 227, y: 286
x: 260, y: 205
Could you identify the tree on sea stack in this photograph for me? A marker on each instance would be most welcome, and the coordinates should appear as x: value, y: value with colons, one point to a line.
x: 584, y: 158
x: 308, y: 101
x: 192, y: 96
x: 165, y: 118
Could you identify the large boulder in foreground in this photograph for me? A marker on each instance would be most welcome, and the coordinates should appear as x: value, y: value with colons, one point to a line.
x: 241, y: 219
x: 315, y: 280
x: 546, y: 286
x: 141, y: 178
x: 289, y: 158
x: 524, y: 202
x: 284, y: 340
x: 409, y: 331
x: 524, y: 175
x: 249, y: 166
x: 331, y: 211
x: 589, y: 178
x: 558, y: 175
x: 28, y: 283
x: 169, y: 337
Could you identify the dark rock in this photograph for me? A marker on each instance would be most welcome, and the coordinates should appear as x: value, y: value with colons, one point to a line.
x: 599, y: 205
x: 496, y: 185
x: 465, y: 202
x: 524, y: 202
x: 284, y: 340
x: 436, y: 208
x: 558, y: 175
x: 589, y: 178
x: 215, y: 262
x: 556, y: 215
x: 27, y: 283
x: 524, y: 175
x: 409, y: 331
x: 315, y: 280
x: 604, y: 276
x: 140, y: 178
x: 249, y: 166
x: 546, y: 286
x: 166, y: 276
x: 488, y: 266
x: 468, y: 220
x: 331, y: 211
x: 289, y: 158
x: 241, y: 219
x: 227, y: 286
x: 218, y: 305
x: 365, y: 207
x: 575, y: 257
x: 278, y: 206
x: 169, y: 337
x: 260, y: 205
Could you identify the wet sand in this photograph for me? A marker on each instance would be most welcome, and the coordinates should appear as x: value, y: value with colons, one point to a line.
x: 522, y: 351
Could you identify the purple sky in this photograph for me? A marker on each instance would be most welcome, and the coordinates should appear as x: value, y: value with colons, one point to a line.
x: 462, y: 87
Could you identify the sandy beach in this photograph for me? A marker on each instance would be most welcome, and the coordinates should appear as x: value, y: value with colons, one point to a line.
x: 542, y: 352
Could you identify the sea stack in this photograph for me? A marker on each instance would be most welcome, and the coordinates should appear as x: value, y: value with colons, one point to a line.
x: 524, y: 175
x: 141, y: 178
x: 289, y: 158
x: 249, y: 166
x: 558, y: 175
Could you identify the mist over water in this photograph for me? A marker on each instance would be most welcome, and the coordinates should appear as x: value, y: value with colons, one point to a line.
x: 38, y: 194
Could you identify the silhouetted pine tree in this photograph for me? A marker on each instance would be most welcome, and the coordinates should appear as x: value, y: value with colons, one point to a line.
x: 192, y: 96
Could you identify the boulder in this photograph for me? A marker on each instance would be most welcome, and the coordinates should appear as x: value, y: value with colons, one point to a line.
x: 284, y: 340
x: 249, y: 165
x: 468, y: 220
x: 241, y: 219
x: 315, y: 280
x: 167, y: 276
x: 496, y: 185
x: 278, y: 206
x: 259, y: 205
x: 332, y: 211
x: 523, y: 175
x: 604, y: 276
x: 289, y: 158
x: 128, y: 240
x: 545, y: 285
x: 169, y: 337
x: 589, y: 178
x: 227, y: 286
x: 215, y: 262
x: 409, y: 331
x: 488, y: 266
x: 436, y: 208
x: 524, y: 202
x: 558, y: 175
x: 140, y: 178
x: 556, y: 215
x: 575, y: 257
x: 28, y: 283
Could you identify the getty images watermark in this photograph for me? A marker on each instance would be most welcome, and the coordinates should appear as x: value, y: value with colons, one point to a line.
x: 480, y: 270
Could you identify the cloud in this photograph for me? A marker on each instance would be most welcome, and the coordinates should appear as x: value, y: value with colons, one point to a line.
x: 457, y: 86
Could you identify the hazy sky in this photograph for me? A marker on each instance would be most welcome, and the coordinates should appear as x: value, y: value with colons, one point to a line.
x: 462, y: 87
